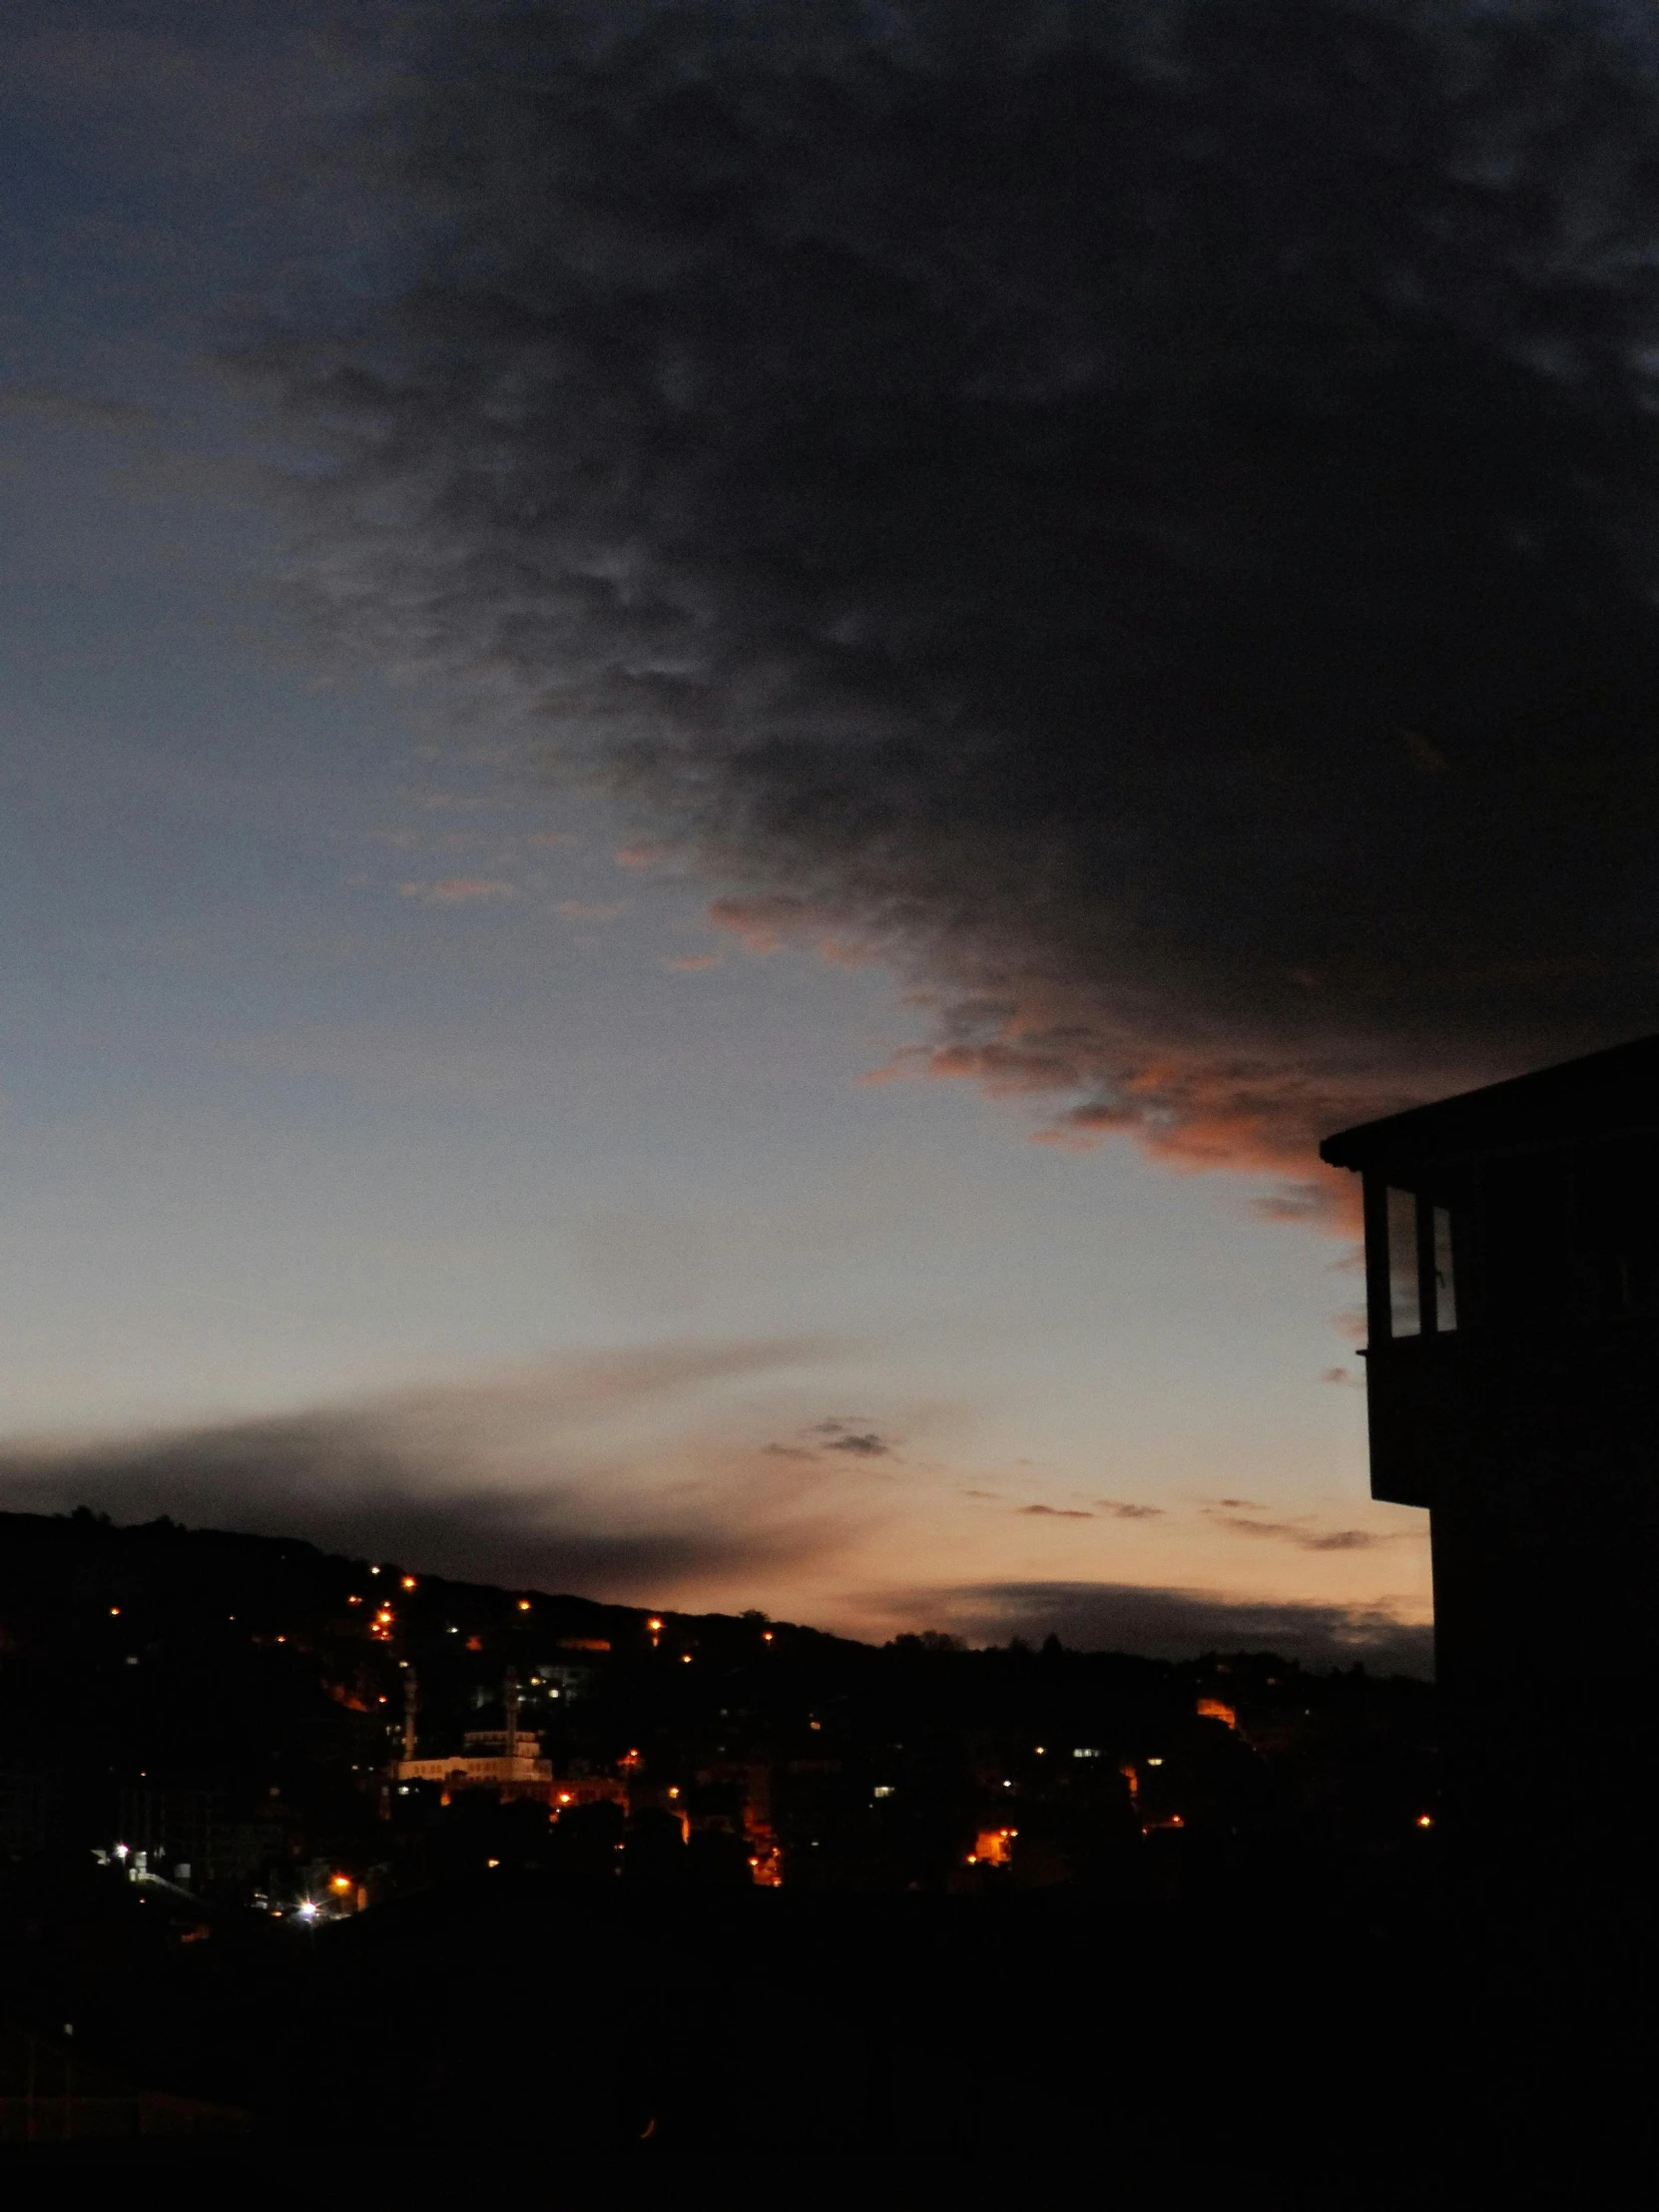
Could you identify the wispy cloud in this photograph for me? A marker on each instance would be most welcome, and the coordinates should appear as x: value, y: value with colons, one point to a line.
x: 459, y: 890
x: 1306, y: 1534
x: 1056, y: 1512
x: 575, y: 909
x: 73, y: 411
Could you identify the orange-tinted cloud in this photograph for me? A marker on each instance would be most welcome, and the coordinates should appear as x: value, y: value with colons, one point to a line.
x: 459, y: 890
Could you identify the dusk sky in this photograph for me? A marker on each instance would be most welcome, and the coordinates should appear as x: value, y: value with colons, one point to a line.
x: 723, y: 728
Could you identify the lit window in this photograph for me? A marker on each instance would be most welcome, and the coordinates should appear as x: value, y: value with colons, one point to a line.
x: 1086, y: 1751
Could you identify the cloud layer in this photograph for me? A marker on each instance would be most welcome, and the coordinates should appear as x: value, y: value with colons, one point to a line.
x: 1178, y: 1624
x: 520, y: 1476
x: 1142, y: 513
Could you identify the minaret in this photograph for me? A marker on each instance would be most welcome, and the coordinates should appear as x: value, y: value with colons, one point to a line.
x: 409, y: 1709
x: 509, y: 1698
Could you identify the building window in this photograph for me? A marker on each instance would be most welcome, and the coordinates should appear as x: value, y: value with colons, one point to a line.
x: 1405, y: 1302
x: 1445, y: 1283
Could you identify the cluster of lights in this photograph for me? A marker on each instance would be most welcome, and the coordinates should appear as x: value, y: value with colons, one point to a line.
x: 1004, y: 1835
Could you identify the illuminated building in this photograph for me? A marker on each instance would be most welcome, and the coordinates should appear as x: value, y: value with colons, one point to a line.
x: 506, y: 1760
x: 1512, y: 1291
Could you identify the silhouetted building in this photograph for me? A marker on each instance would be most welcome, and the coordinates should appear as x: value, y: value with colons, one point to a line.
x: 1512, y: 1280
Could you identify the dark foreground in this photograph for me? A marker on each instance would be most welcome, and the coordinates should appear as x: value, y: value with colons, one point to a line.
x: 1288, y: 2023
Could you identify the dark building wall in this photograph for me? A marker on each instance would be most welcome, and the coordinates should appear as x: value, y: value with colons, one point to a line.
x: 1525, y: 1417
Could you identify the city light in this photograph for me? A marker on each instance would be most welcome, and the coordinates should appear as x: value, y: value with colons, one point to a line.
x: 354, y: 1601
x: 306, y: 1909
x: 340, y: 1882
x: 524, y: 1605
x: 408, y: 1582
x: 114, y: 1611
x: 1425, y: 1819
x: 655, y: 1627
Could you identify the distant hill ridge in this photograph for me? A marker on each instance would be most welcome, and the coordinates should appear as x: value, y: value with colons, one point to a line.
x: 47, y: 1561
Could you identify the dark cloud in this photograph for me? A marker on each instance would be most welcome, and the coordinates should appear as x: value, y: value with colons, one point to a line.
x: 1056, y: 1512
x: 1297, y: 1532
x: 1122, y: 1511
x: 1141, y: 510
x: 423, y: 1477
x: 264, y: 1486
x: 1176, y: 1624
x: 851, y: 1436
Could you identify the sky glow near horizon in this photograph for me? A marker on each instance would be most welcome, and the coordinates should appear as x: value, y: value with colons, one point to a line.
x: 396, y: 1153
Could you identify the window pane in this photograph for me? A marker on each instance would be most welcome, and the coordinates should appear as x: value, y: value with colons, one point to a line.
x: 1445, y: 1287
x: 1405, y: 1312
